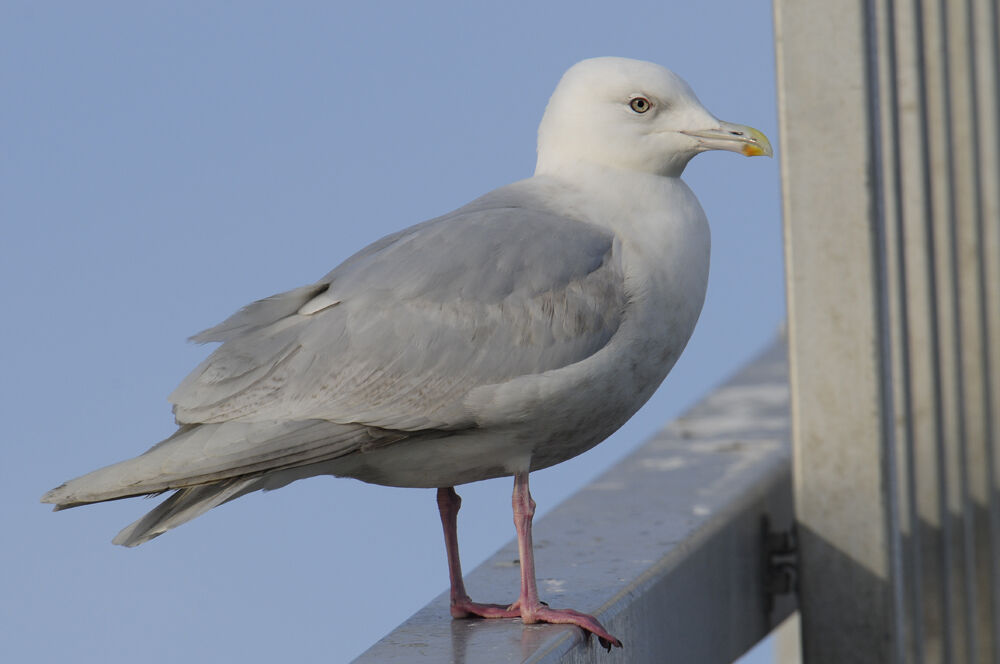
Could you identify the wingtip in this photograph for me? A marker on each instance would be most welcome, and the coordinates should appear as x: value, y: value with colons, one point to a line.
x: 203, y: 337
x: 59, y: 500
x: 68, y: 495
x: 128, y: 539
x: 52, y: 496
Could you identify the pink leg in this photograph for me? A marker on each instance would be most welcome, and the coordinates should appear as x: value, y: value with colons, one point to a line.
x: 528, y: 607
x: 532, y: 610
x: 449, y: 503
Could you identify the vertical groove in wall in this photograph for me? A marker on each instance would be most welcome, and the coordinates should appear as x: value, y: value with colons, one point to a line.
x: 984, y: 64
x: 910, y: 585
x: 934, y: 148
x: 924, y: 418
x: 897, y: 439
x: 965, y: 199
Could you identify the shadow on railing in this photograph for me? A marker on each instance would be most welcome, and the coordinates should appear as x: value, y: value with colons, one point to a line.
x: 668, y: 548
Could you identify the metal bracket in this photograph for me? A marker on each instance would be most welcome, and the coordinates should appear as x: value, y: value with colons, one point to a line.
x: 780, y: 562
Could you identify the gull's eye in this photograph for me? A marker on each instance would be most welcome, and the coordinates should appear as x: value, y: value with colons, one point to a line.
x: 640, y: 104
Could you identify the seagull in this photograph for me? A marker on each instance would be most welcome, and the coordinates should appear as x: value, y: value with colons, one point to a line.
x: 507, y: 336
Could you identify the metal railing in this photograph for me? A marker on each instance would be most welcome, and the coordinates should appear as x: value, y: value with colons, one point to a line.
x: 890, y: 115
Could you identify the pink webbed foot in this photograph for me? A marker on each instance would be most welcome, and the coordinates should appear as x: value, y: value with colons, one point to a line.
x: 542, y: 613
x: 466, y: 608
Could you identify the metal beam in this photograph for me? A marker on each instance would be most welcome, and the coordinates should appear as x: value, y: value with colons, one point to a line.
x: 839, y: 338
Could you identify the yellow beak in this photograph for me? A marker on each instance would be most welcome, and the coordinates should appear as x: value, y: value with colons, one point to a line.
x: 733, y: 137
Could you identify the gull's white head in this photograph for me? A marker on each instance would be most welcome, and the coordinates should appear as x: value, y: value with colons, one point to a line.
x: 633, y: 115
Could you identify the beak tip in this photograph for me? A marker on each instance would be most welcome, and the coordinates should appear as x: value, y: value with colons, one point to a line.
x: 757, y: 151
x: 759, y: 145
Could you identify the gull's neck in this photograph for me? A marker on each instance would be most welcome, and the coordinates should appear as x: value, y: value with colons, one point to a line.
x: 553, y: 162
x: 662, y: 230
x: 663, y: 239
x: 614, y: 197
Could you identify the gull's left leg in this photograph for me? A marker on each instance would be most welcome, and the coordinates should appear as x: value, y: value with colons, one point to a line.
x: 531, y: 609
x: 449, y: 503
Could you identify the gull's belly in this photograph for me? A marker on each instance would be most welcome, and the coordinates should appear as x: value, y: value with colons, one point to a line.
x: 621, y: 383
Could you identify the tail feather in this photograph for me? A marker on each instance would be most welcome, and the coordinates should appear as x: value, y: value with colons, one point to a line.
x: 181, y: 507
x: 209, y: 453
x: 209, y: 464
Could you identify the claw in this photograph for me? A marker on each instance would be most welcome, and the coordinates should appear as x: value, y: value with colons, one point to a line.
x: 540, y: 613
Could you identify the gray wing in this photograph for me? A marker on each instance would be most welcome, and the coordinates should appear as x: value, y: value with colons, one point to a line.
x: 398, y: 334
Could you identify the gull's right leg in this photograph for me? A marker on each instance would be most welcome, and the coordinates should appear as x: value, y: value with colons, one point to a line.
x: 449, y: 503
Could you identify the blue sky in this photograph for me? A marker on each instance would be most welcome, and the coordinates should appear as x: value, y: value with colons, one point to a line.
x: 162, y: 165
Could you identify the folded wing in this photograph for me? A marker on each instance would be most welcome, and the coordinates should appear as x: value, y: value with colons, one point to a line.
x: 398, y: 336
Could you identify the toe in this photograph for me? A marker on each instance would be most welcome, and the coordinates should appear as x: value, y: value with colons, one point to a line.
x: 542, y: 613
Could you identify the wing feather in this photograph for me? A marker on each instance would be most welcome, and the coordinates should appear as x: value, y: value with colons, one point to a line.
x: 410, y: 325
